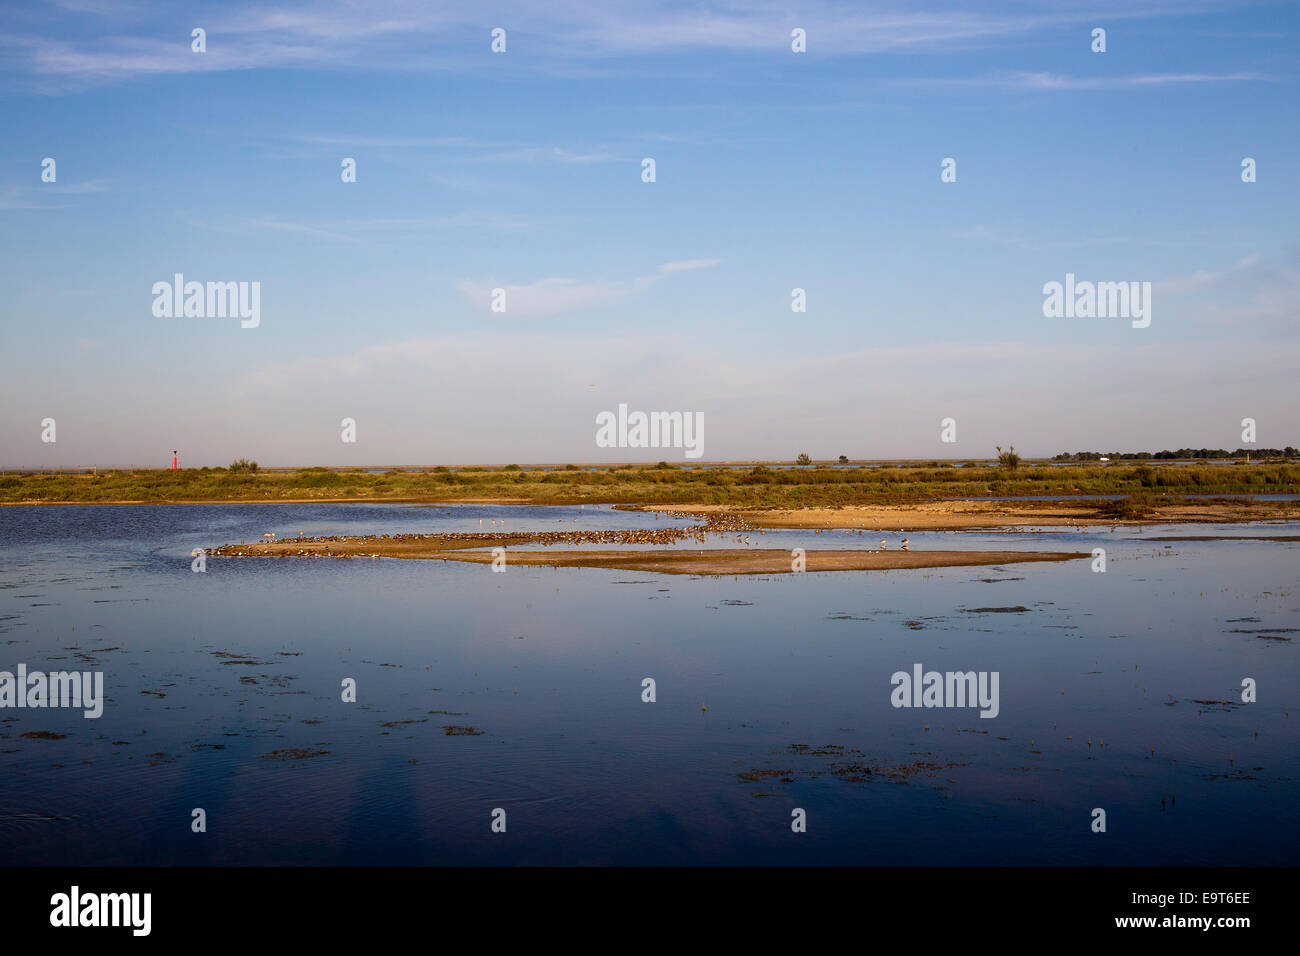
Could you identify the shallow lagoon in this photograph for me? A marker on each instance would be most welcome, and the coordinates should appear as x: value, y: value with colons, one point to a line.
x: 224, y: 693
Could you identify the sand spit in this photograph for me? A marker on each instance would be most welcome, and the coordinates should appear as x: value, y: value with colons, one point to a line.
x: 981, y: 515
x: 666, y: 560
x: 1225, y: 537
x: 422, y: 545
x: 758, y: 561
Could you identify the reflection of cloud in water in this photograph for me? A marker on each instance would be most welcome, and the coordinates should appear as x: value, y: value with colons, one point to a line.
x: 547, y: 664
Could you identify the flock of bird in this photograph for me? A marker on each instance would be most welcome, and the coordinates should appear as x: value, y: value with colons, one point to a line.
x: 320, y: 546
x: 351, y: 545
x: 712, y: 522
x: 884, y: 542
x: 716, y: 523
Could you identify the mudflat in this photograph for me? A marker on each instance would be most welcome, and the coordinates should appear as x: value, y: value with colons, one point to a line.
x: 759, y: 561
x: 976, y: 515
x: 665, y: 560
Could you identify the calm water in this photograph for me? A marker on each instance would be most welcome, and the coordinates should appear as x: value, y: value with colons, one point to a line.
x: 224, y: 694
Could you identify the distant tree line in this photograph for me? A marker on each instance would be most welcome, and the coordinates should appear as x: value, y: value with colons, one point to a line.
x: 1181, y: 454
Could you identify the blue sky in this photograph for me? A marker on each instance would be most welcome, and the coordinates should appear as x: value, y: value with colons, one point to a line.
x: 522, y: 170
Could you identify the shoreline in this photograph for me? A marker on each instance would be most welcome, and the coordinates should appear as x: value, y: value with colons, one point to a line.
x: 371, y: 500
x: 1024, y: 514
x: 759, y: 561
x: 665, y: 560
x: 674, y: 550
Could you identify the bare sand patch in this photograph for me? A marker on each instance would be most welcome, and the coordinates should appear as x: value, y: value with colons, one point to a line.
x: 758, y: 561
x: 667, y: 560
x: 976, y: 515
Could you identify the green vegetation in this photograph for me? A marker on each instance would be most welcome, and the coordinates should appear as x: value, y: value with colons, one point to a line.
x: 1008, y: 459
x: 803, y: 459
x: 1182, y: 454
x: 665, y: 484
x: 243, y: 465
x: 1134, y: 507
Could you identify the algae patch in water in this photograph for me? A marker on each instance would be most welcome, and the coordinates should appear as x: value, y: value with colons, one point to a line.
x: 292, y: 753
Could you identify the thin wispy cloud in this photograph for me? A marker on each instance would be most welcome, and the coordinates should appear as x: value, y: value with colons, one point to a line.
x: 22, y: 199
x: 1001, y: 236
x: 557, y: 296
x: 1058, y: 82
x: 556, y: 154
x: 44, y: 195
x: 1015, y: 385
x: 1252, y: 296
x: 1204, y: 279
x: 688, y: 264
x: 88, y: 186
x: 153, y: 39
x: 463, y: 151
x: 455, y: 227
x: 387, y: 142
x: 298, y: 227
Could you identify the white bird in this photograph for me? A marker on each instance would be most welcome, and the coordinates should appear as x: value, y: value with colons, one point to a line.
x: 905, y: 542
x: 269, y: 536
x: 883, y: 545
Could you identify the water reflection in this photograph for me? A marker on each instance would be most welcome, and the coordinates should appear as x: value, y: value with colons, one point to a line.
x: 1119, y: 690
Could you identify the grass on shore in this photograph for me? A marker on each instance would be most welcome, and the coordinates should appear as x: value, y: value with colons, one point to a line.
x: 757, y: 487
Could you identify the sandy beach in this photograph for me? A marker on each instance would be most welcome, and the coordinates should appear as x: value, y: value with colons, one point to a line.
x: 755, y: 561
x: 982, y: 515
x: 666, y: 560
